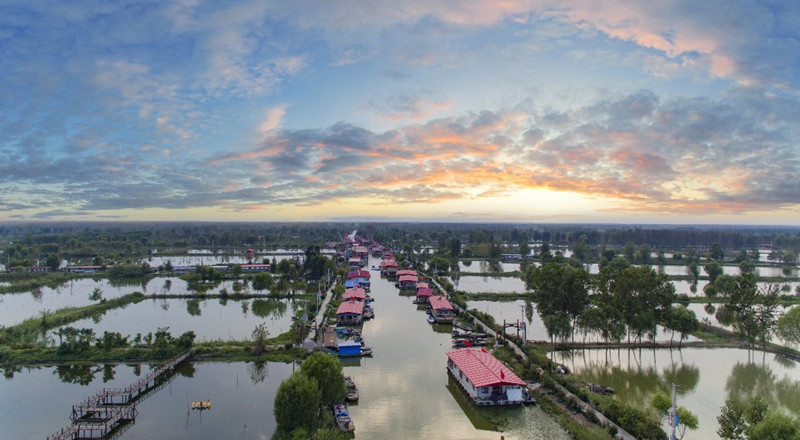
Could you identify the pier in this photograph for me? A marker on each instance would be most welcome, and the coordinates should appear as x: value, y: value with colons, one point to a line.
x: 112, y: 410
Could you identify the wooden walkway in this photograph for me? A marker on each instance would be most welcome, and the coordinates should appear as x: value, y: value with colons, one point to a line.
x: 101, y: 414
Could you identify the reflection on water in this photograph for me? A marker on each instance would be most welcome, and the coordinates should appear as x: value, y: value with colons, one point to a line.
x: 477, y: 284
x: 210, y: 319
x: 705, y: 378
x: 37, y: 401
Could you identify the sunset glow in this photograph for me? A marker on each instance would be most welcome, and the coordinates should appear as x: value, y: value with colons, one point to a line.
x: 513, y: 111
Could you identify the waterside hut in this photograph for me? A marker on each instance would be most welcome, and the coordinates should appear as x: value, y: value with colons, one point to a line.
x: 485, y: 379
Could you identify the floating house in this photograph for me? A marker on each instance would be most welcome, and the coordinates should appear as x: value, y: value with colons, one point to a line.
x: 360, y: 276
x: 485, y: 379
x: 407, y: 282
x: 355, y: 294
x: 389, y: 267
x: 441, y: 309
x: 424, y: 295
x: 349, y: 313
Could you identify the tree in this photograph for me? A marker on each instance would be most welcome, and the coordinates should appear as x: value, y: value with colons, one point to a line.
x: 237, y: 270
x: 643, y: 296
x: 737, y: 417
x: 775, y: 426
x: 713, y: 269
x: 560, y: 291
x: 687, y: 419
x: 53, y: 261
x: 580, y: 250
x: 260, y: 337
x: 296, y: 402
x: 789, y: 326
x: 454, y: 244
x: 682, y: 320
x: 524, y: 248
x: 327, y: 371
x: 96, y: 295
x: 438, y: 265
x: 716, y: 253
x: 262, y: 281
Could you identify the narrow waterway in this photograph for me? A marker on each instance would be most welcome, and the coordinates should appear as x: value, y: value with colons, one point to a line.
x: 403, y: 387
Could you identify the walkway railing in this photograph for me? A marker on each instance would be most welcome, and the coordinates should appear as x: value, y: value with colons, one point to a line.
x: 100, y: 414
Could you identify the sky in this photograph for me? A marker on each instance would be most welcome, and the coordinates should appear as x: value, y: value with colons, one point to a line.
x: 676, y: 112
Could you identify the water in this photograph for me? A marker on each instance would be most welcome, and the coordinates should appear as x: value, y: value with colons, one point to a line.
x: 485, y: 266
x: 16, y: 307
x: 210, y: 319
x: 477, y: 284
x: 37, y: 402
x: 705, y: 378
x: 404, y: 387
x: 513, y: 311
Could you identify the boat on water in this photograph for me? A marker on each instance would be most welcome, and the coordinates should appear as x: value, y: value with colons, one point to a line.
x: 343, y: 418
x: 201, y: 405
x: 347, y: 331
x: 353, y: 349
x: 369, y: 313
x: 352, y: 390
x: 431, y: 319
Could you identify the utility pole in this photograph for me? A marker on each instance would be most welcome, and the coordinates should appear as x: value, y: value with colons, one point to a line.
x: 673, y: 415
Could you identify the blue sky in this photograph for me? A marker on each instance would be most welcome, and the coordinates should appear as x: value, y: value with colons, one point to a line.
x: 513, y: 111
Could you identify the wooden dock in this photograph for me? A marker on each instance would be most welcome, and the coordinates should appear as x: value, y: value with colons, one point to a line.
x: 112, y: 409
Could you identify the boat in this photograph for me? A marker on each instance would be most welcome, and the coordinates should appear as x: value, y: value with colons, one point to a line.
x: 201, y: 405
x: 352, y: 391
x: 343, y: 418
x: 369, y: 313
x: 431, y: 319
x: 347, y: 331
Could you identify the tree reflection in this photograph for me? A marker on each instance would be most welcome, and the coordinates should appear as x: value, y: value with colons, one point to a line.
x: 77, y: 374
x: 268, y: 308
x: 757, y: 379
x: 108, y: 372
x: 258, y: 371
x: 193, y: 307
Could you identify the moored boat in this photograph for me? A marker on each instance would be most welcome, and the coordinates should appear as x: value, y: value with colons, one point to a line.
x: 343, y: 418
x: 352, y: 390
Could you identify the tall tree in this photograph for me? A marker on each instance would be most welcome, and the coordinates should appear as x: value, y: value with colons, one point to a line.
x: 644, y: 297
x: 296, y: 402
x: 327, y: 371
x: 560, y: 291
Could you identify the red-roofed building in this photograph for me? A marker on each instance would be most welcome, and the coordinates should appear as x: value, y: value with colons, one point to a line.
x: 406, y: 282
x: 389, y: 267
x: 349, y: 313
x: 423, y: 286
x: 424, y: 295
x: 360, y: 276
x: 486, y: 380
x: 406, y: 272
x: 441, y: 309
x: 355, y: 294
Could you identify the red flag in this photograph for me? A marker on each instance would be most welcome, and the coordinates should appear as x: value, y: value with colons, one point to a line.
x: 484, y: 350
x: 467, y: 343
x: 502, y: 376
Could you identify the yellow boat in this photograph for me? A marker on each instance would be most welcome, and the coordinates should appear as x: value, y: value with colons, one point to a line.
x: 201, y: 405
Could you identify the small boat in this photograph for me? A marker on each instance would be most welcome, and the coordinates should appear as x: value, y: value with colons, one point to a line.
x: 431, y: 319
x: 352, y: 391
x: 347, y: 331
x: 201, y: 405
x: 366, y: 351
x: 368, y: 313
x: 343, y: 418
